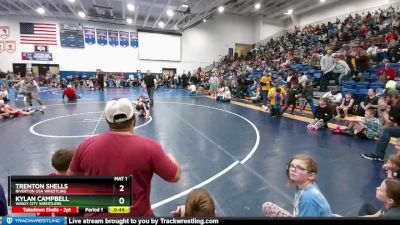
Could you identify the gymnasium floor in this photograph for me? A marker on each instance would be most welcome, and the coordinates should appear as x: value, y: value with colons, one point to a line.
x: 238, y: 154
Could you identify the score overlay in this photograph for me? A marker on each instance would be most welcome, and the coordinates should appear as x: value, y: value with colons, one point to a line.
x: 64, y: 194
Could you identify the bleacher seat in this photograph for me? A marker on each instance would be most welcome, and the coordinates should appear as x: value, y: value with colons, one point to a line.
x: 379, y: 91
x: 365, y: 75
x: 373, y: 78
x: 361, y: 93
x: 376, y: 85
x: 348, y: 85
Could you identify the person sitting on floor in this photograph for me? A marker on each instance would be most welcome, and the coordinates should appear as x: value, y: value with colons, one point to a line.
x: 389, y: 194
x: 322, y: 115
x: 366, y: 127
x: 392, y: 166
x: 199, y: 203
x: 223, y: 93
x: 61, y: 160
x: 192, y: 89
x: 308, y: 201
x: 346, y: 106
x: 4, y: 94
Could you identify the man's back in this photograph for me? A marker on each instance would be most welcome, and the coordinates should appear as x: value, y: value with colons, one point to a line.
x: 149, y: 80
x: 116, y: 154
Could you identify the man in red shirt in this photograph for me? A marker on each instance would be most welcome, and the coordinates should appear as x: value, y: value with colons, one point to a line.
x: 70, y: 93
x: 119, y: 152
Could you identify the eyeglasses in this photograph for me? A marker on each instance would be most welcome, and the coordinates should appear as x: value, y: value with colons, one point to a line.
x: 296, y: 168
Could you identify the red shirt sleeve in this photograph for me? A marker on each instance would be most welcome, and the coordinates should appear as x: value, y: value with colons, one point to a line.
x: 162, y: 164
x: 75, y: 165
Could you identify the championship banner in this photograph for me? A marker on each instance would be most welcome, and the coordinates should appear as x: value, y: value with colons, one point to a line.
x: 90, y: 35
x: 4, y: 32
x: 113, y: 37
x: 37, y: 56
x: 11, y: 46
x: 124, y: 39
x: 134, y: 39
x: 71, y: 35
x: 1, y: 46
x: 101, y: 37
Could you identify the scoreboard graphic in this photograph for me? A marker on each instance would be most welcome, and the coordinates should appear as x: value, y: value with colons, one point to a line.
x: 71, y: 36
x: 70, y: 195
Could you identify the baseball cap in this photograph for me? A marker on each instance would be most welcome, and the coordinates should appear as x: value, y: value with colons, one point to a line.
x: 121, y: 107
x: 69, y: 86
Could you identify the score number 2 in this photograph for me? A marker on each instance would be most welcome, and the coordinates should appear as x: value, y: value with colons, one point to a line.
x: 121, y: 200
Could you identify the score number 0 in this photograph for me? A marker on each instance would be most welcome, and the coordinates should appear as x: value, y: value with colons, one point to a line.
x: 121, y: 200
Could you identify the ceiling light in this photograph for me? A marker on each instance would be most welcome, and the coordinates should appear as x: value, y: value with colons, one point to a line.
x: 81, y: 14
x: 40, y: 10
x: 129, y: 20
x: 221, y: 9
x: 72, y: 1
x: 185, y: 6
x: 289, y: 12
x: 130, y: 7
x: 257, y: 6
x: 161, y: 24
x: 204, y: 20
x: 170, y: 13
x: 322, y: 1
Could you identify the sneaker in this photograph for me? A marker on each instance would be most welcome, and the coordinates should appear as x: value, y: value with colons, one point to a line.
x: 44, y: 107
x: 372, y: 156
x: 264, y: 107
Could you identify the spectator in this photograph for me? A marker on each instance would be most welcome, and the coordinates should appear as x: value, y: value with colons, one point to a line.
x: 370, y: 102
x: 308, y: 95
x: 3, y: 202
x: 322, y: 115
x: 192, y: 89
x: 224, y: 94
x: 70, y: 93
x: 367, y: 127
x: 276, y: 107
x: 309, y: 201
x: 342, y: 69
x: 346, y: 107
x: 4, y: 94
x: 382, y: 107
x: 327, y: 66
x: 271, y: 94
x: 199, y: 203
x: 372, y: 52
x: 392, y: 119
x: 61, y: 160
x: 389, y: 194
x: 334, y: 98
x: 292, y: 95
x: 265, y: 83
x: 120, y: 152
x: 392, y: 166
x: 386, y: 73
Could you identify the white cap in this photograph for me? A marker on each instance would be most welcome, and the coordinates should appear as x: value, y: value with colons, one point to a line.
x: 69, y: 86
x: 1, y: 102
x: 120, y: 106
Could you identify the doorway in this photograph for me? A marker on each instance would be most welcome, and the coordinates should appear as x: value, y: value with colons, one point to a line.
x: 168, y: 72
x: 242, y: 49
x: 19, y: 68
x: 43, y: 69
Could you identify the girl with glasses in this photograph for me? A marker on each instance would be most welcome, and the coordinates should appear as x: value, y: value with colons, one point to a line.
x: 308, y: 201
